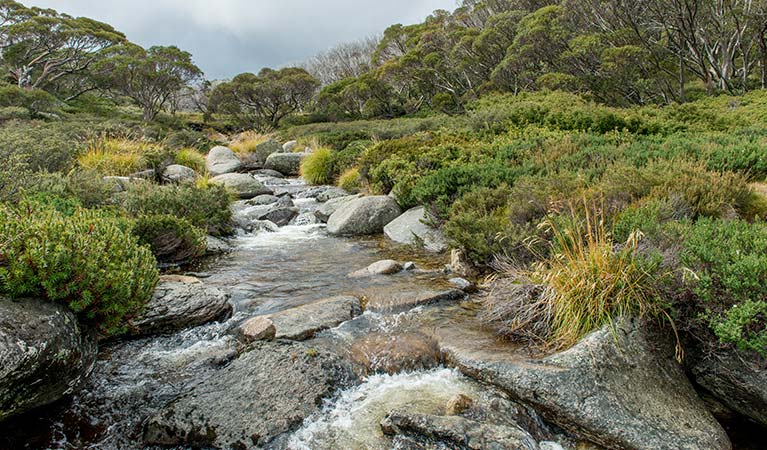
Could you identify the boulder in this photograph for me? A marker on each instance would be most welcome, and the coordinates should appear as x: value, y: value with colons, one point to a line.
x: 327, y: 209
x: 264, y: 393
x: 384, y: 267
x: 289, y: 146
x: 178, y: 304
x: 411, y: 228
x: 619, y: 387
x: 176, y: 173
x: 394, y: 353
x: 286, y: 163
x: 216, y: 246
x: 738, y: 383
x: 280, y: 216
x: 221, y: 160
x: 457, y: 432
x: 44, y: 354
x: 244, y: 185
x: 258, y: 329
x: 303, y: 322
x: 248, y: 220
x: 261, y: 200
x: 304, y: 219
x: 265, y: 149
x: 365, y: 215
x: 396, y: 302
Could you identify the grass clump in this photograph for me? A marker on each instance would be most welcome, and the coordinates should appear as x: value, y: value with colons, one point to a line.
x: 351, y: 181
x: 87, y: 260
x: 317, y: 167
x: 122, y: 156
x: 247, y: 142
x: 192, y: 158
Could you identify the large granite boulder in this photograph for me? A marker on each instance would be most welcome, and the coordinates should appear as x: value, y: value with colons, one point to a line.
x: 304, y: 322
x: 327, y: 209
x: 734, y: 380
x: 264, y: 393
x: 221, y: 160
x: 411, y: 228
x: 176, y: 173
x: 365, y: 215
x: 44, y: 354
x: 620, y: 388
x: 178, y: 303
x: 244, y: 185
x: 286, y: 163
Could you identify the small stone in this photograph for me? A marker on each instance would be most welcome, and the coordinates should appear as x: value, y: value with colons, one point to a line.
x: 408, y: 266
x: 458, y: 404
x: 384, y: 267
x: 258, y: 329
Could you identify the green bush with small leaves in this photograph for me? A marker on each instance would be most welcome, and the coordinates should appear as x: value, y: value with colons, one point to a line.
x: 87, y: 260
x: 172, y: 239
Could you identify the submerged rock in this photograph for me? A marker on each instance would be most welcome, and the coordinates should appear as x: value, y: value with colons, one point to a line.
x: 177, y: 304
x: 44, y: 354
x: 244, y: 185
x: 304, y: 322
x: 363, y: 216
x: 458, y: 432
x: 395, y: 302
x: 394, y: 353
x: 221, y: 160
x: 286, y: 163
x: 411, y: 228
x: 618, y: 388
x: 264, y: 393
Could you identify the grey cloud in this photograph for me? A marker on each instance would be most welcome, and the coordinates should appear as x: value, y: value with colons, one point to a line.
x: 232, y: 36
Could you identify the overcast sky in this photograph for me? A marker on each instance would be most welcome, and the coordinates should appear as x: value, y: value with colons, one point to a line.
x: 228, y: 37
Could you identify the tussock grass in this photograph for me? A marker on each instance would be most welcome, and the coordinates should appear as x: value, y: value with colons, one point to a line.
x: 120, y: 156
x: 192, y: 158
x: 351, y: 181
x: 317, y: 168
x: 246, y: 142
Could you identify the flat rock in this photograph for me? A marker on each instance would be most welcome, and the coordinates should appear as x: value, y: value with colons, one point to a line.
x: 176, y: 173
x: 304, y: 322
x: 411, y: 228
x: 458, y: 432
x: 261, y: 200
x: 244, y: 185
x: 178, y: 304
x: 258, y: 329
x: 363, y: 216
x: 288, y: 164
x: 396, y: 302
x: 262, y: 394
x: 383, y: 267
x: 44, y: 354
x: 221, y: 160
x: 619, y: 388
x: 327, y: 209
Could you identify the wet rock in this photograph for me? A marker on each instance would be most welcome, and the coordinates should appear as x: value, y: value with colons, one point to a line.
x: 262, y: 394
x: 280, y: 216
x: 384, y: 267
x: 176, y: 173
x: 244, y: 185
x: 176, y: 305
x: 221, y: 160
x: 286, y: 163
x: 268, y: 173
x: 285, y: 201
x: 258, y: 329
x: 262, y: 200
x: 738, y: 383
x: 305, y: 219
x: 619, y: 388
x: 363, y: 216
x: 304, y: 322
x: 411, y: 228
x: 289, y: 146
x: 328, y: 208
x: 44, y: 354
x: 249, y: 223
x: 216, y: 246
x: 395, y: 353
x: 463, y: 284
x: 458, y: 404
x: 396, y: 302
x: 458, y: 432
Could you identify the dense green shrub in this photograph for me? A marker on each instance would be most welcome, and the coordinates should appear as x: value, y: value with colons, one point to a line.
x: 729, y: 262
x: 33, y: 100
x: 206, y: 207
x: 172, y: 239
x: 40, y: 145
x: 87, y: 260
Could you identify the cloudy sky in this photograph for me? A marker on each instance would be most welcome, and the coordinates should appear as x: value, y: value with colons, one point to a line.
x: 228, y: 37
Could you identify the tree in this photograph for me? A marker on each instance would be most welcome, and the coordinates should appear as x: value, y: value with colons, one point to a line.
x: 262, y: 101
x: 347, y: 60
x: 149, y: 77
x: 41, y: 47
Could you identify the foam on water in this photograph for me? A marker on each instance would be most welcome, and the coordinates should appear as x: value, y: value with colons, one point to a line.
x: 352, y: 419
x: 290, y: 234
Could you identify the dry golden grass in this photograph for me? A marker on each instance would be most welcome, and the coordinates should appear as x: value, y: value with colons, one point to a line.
x: 119, y: 156
x: 246, y: 142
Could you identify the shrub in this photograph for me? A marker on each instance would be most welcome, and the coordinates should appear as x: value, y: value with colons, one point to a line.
x: 351, y: 181
x: 191, y: 158
x: 122, y: 156
x: 41, y: 146
x: 34, y: 101
x: 205, y: 206
x: 317, y: 168
x: 88, y: 261
x: 172, y: 239
x: 729, y: 262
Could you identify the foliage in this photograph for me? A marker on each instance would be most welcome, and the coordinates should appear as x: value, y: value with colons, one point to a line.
x: 206, y: 207
x: 87, y: 261
x: 192, y: 158
x: 172, y: 239
x: 351, y: 181
x: 34, y: 101
x: 122, y: 156
x: 317, y: 167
